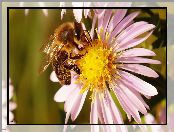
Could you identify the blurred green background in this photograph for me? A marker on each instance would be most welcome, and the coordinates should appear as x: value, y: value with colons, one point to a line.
x: 34, y: 92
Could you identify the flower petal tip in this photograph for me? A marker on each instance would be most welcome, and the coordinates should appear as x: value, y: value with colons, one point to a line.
x: 56, y: 98
x: 154, y: 92
x: 53, y: 77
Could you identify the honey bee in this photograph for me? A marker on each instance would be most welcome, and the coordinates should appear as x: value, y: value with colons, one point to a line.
x: 64, y: 47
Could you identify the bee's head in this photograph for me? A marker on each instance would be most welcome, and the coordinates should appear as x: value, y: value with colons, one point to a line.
x: 65, y: 36
x: 77, y: 30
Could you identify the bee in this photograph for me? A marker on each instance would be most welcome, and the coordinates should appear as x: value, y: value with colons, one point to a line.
x: 64, y: 47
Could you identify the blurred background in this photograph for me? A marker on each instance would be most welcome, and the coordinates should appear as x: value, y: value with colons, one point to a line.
x: 34, y: 92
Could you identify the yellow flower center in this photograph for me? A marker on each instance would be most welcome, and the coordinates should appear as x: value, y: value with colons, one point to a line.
x: 96, y: 66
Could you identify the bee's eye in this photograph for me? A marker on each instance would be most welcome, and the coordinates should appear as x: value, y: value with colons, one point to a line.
x: 77, y: 30
x: 77, y: 33
x: 64, y: 36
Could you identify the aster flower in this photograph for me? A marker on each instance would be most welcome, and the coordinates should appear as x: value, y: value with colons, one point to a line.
x: 12, y: 105
x: 107, y: 67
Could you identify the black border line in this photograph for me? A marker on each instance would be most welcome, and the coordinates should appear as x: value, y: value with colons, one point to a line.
x: 87, y: 7
x: 7, y: 66
x: 166, y: 67
x: 8, y: 8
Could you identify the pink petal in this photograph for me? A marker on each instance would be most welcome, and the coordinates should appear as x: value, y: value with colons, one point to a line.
x: 140, y: 69
x: 134, y: 32
x: 137, y: 94
x: 66, y: 90
x: 99, y: 11
x: 129, y: 29
x: 62, y: 13
x: 93, y: 113
x: 149, y: 119
x: 99, y: 109
x: 118, y: 16
x: 124, y: 23
x: 86, y: 11
x: 93, y: 26
x: 62, y: 4
x: 104, y: 25
x: 12, y: 106
x: 53, y: 77
x: 63, y: 93
x: 78, y: 106
x: 133, y: 42
x: 127, y: 105
x: 114, y: 111
x: 106, y: 18
x: 77, y: 14
x: 11, y: 116
x: 11, y: 88
x: 137, y: 60
x: 142, y: 100
x: 100, y: 18
x: 71, y: 100
x: 94, y: 117
x: 137, y: 52
x: 123, y: 104
x: 26, y: 11
x: 45, y: 11
x: 138, y: 84
x: 106, y: 112
x: 133, y: 98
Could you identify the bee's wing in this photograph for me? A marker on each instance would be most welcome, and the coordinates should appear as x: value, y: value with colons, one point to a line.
x: 48, y: 58
x: 44, y: 64
x: 47, y: 47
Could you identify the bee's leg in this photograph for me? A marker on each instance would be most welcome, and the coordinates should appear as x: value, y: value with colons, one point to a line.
x: 78, y: 56
x: 76, y: 69
x: 88, y: 36
x: 73, y: 67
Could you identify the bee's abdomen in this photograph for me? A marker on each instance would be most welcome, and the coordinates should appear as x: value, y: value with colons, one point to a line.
x: 63, y: 75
